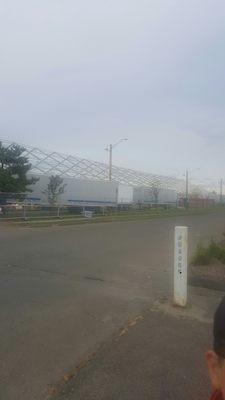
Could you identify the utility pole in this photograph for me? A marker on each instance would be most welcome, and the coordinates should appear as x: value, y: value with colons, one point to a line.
x: 110, y: 161
x: 187, y: 190
x: 221, y: 191
x: 187, y: 186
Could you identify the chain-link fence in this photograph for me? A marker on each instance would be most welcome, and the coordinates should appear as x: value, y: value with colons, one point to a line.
x: 18, y: 207
x: 21, y: 210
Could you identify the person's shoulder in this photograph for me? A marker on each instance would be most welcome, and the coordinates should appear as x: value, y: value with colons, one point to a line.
x: 217, y: 395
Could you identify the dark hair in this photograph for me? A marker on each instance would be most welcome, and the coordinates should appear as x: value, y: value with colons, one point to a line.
x: 219, y: 330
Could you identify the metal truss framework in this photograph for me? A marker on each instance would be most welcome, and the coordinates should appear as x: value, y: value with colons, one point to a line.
x: 54, y: 163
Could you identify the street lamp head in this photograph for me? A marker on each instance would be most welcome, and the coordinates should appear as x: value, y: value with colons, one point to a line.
x: 119, y: 141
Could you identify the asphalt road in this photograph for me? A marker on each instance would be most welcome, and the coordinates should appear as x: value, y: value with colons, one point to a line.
x: 143, y: 364
x: 65, y: 290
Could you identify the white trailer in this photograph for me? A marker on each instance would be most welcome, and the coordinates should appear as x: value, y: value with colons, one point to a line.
x: 125, y: 194
x: 100, y: 193
x: 148, y: 195
x: 167, y: 196
x: 143, y: 195
x: 84, y: 192
x: 96, y: 193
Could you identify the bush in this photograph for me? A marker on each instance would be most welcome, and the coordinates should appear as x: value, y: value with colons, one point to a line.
x: 204, y: 255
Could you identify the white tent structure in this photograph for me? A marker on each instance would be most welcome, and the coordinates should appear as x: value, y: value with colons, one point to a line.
x: 69, y: 166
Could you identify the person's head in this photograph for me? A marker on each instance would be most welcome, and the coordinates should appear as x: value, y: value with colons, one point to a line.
x: 216, y: 358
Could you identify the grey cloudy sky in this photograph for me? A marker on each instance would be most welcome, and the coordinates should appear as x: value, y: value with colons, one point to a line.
x: 76, y: 75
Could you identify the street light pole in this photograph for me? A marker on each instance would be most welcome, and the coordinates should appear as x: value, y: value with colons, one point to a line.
x: 110, y: 149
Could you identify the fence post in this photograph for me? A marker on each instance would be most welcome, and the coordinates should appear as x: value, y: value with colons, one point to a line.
x: 180, y: 265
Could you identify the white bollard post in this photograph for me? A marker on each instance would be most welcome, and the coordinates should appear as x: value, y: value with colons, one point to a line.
x: 180, y: 265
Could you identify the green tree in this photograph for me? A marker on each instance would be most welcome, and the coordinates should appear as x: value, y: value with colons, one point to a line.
x: 14, y: 167
x: 54, y: 189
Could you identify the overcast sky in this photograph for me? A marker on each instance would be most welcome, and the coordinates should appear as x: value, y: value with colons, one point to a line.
x: 76, y: 75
